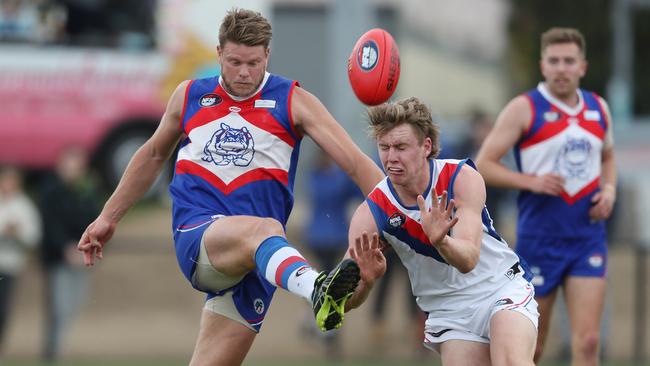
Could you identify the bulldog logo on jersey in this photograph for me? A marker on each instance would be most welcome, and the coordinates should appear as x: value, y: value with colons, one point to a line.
x: 574, y: 159
x: 230, y: 145
x: 396, y: 220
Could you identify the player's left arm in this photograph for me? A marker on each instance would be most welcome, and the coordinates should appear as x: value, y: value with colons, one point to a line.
x: 311, y: 117
x: 462, y: 248
x: 603, y: 201
x: 366, y: 250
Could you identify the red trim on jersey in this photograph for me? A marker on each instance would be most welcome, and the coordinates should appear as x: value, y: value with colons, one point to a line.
x: 442, y: 184
x: 546, y: 132
x: 259, y: 117
x: 262, y: 118
x: 187, y: 93
x: 283, y: 266
x: 583, y: 192
x: 204, y: 116
x: 188, y: 167
x: 412, y: 227
x: 594, y: 128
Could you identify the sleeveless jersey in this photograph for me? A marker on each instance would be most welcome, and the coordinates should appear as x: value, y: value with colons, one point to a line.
x: 569, y: 142
x: 239, y: 156
x: 438, y: 286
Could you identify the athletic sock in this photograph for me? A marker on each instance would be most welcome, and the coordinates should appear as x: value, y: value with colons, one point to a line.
x: 282, y: 265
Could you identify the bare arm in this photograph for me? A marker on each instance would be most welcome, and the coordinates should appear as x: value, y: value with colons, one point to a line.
x: 603, y: 201
x: 365, y: 249
x: 144, y: 167
x: 510, y: 125
x: 315, y: 120
x: 463, y: 247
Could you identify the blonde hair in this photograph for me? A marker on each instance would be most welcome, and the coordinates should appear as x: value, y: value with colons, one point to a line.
x: 412, y: 111
x: 558, y: 35
x: 245, y: 27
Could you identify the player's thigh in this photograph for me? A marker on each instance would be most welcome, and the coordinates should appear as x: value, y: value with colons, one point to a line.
x: 585, y: 299
x: 456, y: 352
x: 545, y: 307
x: 512, y: 339
x: 231, y: 241
x: 221, y: 341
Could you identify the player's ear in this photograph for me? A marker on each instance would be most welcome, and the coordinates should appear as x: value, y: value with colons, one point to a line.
x: 219, y: 51
x: 267, y: 52
x: 583, y: 68
x: 428, y: 145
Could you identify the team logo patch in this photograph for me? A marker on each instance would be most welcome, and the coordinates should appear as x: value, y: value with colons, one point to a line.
x: 397, y: 220
x: 574, y: 159
x: 258, y: 305
x: 551, y: 116
x: 230, y: 145
x: 591, y: 115
x: 501, y: 302
x: 368, y: 56
x: 301, y: 270
x: 596, y: 260
x: 265, y: 103
x: 210, y: 100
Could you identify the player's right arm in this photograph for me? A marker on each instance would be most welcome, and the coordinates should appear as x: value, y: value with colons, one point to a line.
x: 365, y: 249
x: 312, y: 118
x: 510, y: 125
x: 143, y: 169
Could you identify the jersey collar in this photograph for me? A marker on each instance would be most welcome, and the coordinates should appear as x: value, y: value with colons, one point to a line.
x: 240, y: 99
x: 571, y: 111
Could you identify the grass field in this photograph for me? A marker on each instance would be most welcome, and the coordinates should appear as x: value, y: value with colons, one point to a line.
x: 274, y: 363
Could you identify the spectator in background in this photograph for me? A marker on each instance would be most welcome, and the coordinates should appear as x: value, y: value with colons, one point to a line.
x: 20, y: 230
x: 68, y: 204
x: 19, y: 21
x: 330, y: 192
x: 480, y: 125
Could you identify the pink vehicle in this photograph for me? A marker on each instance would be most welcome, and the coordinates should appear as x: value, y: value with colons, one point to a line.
x: 106, y: 101
x: 93, y: 86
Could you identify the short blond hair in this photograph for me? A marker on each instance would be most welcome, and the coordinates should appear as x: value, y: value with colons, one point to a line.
x: 411, y: 111
x: 247, y: 27
x: 559, y: 35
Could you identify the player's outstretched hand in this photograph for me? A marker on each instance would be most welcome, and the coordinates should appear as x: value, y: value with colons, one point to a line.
x: 368, y: 255
x: 92, y: 241
x: 437, y: 220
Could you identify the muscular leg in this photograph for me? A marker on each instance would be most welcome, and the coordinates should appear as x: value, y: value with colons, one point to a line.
x: 512, y: 339
x: 464, y: 353
x: 585, y: 297
x: 545, y: 308
x: 231, y: 242
x: 221, y: 341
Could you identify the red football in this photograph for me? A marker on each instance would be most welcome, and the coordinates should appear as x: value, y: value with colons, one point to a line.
x: 373, y: 67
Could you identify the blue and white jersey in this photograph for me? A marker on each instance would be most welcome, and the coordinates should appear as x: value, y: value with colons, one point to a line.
x: 569, y: 142
x: 438, y: 286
